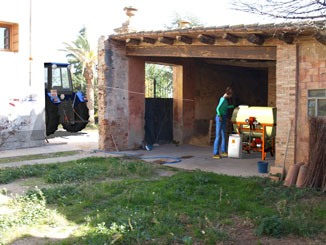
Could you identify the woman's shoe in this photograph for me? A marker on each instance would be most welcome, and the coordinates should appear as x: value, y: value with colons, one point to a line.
x: 224, y: 154
x: 217, y: 157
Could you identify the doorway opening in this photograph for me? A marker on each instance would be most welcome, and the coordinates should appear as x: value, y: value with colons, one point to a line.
x: 158, y: 103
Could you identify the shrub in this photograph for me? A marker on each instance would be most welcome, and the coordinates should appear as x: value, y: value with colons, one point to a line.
x: 272, y: 225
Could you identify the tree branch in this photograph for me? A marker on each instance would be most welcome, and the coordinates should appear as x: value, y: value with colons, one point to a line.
x: 283, y: 9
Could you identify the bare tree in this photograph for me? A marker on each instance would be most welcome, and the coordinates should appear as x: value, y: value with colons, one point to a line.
x: 283, y: 9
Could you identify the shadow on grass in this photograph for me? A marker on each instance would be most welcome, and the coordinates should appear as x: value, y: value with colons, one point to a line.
x: 186, y: 208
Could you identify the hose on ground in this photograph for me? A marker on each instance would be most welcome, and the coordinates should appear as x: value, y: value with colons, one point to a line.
x: 175, y: 160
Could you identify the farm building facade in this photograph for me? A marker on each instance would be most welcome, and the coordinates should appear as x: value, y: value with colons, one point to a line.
x: 275, y: 65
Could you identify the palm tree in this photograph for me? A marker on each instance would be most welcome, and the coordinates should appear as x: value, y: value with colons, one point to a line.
x: 81, y: 52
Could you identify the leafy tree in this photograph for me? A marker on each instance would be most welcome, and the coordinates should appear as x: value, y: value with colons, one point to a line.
x: 84, y: 60
x: 176, y: 17
x: 163, y: 76
x: 283, y: 9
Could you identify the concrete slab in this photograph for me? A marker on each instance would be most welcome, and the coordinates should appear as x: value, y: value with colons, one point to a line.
x: 60, y: 141
x: 48, y: 148
x: 193, y: 157
x: 84, y: 140
x: 200, y: 157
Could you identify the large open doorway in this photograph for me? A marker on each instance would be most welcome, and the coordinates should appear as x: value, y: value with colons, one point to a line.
x: 250, y: 80
x: 158, y: 104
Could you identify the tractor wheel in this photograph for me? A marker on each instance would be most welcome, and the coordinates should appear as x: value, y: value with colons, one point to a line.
x: 51, y: 117
x: 81, y: 113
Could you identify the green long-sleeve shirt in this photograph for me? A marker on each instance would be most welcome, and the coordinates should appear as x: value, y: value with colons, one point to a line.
x: 223, y: 107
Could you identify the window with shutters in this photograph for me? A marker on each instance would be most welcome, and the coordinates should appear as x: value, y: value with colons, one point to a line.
x: 9, y: 36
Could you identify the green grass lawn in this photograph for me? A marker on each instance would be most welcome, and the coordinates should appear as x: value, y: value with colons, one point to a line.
x: 124, y: 201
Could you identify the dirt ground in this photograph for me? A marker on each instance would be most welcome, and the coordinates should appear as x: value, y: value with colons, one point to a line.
x: 46, y: 234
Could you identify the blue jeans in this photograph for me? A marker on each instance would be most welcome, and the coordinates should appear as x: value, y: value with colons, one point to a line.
x: 220, y: 132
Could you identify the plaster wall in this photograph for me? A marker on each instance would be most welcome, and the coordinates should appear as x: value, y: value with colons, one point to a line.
x: 22, y: 80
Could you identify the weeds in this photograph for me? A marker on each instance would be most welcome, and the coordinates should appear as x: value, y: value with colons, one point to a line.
x: 27, y: 211
x: 190, y: 207
x: 93, y: 168
x: 187, y: 208
x: 272, y: 225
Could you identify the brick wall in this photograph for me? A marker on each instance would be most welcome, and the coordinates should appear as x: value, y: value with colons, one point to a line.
x: 286, y: 100
x: 312, y: 75
x: 183, y: 101
x: 249, y: 85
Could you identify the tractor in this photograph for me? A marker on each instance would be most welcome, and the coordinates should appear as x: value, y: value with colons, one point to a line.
x: 63, y: 105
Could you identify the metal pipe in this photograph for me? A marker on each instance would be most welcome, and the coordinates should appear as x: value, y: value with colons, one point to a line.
x: 30, y: 43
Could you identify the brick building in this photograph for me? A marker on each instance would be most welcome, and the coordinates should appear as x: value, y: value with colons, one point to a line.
x: 278, y: 65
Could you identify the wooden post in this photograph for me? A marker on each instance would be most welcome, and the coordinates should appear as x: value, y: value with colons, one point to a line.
x: 184, y: 39
x: 256, y: 39
x: 210, y: 128
x: 206, y: 39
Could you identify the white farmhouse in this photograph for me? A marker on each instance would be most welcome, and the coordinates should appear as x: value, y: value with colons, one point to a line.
x: 21, y: 78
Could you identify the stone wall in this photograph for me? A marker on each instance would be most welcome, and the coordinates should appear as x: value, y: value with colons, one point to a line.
x: 113, y: 96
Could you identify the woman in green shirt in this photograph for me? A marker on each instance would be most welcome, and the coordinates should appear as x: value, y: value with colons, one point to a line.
x: 221, y: 116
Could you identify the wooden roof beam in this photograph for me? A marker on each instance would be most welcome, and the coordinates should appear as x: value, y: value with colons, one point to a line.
x: 286, y: 37
x: 133, y: 41
x: 118, y: 42
x: 211, y: 51
x: 321, y: 38
x: 166, y: 40
x: 184, y: 39
x: 230, y: 37
x: 148, y: 40
x: 255, y: 39
x: 206, y: 39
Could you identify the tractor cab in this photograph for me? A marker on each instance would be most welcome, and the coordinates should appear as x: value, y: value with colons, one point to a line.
x: 63, y: 105
x: 57, y: 77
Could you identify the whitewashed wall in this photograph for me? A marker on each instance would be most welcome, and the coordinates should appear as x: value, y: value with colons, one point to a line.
x: 22, y: 98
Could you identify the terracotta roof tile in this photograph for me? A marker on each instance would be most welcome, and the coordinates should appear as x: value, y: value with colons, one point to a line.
x: 295, y: 26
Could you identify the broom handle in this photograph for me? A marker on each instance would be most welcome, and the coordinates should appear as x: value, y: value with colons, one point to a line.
x: 286, y: 150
